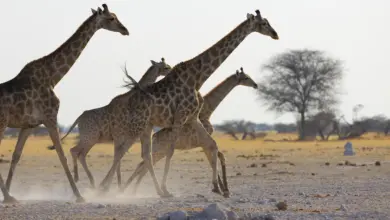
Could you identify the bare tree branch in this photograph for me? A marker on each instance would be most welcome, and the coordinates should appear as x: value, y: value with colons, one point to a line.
x: 301, y: 81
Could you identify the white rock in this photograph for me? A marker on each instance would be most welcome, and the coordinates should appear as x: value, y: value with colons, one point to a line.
x: 177, y: 215
x: 231, y: 215
x: 213, y: 211
x: 348, y: 149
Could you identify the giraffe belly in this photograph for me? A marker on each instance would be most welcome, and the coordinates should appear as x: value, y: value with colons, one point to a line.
x: 25, y: 118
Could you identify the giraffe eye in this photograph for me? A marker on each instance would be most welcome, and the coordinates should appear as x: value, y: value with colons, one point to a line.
x: 111, y: 19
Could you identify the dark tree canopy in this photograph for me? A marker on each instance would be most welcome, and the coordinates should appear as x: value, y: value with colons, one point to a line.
x: 301, y: 81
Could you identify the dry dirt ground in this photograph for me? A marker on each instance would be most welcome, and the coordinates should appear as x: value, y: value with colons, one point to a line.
x: 294, y: 172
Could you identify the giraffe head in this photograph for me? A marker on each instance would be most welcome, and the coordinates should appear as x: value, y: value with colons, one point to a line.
x: 108, y: 20
x: 162, y: 67
x: 244, y: 79
x: 261, y: 25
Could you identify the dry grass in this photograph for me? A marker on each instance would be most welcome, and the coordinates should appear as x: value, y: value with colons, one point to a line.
x: 370, y: 148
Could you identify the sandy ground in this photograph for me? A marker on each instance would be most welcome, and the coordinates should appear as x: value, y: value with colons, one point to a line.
x: 294, y: 172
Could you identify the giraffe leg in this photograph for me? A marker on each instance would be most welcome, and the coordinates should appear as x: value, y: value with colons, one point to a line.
x: 140, y: 167
x: 118, y: 175
x: 208, y: 142
x: 7, y: 197
x: 55, y: 137
x: 167, y: 166
x: 209, y: 158
x: 120, y: 148
x: 141, y: 175
x: 23, y: 135
x: 146, y: 146
x: 83, y: 162
x: 226, y: 192
x: 142, y: 171
x: 75, y: 154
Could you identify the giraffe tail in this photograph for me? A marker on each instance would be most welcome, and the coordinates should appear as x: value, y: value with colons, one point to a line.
x: 133, y: 83
x: 52, y: 147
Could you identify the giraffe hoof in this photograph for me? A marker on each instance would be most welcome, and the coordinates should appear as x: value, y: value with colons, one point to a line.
x: 80, y: 200
x: 10, y: 200
x: 217, y: 191
x: 226, y: 194
x: 165, y: 194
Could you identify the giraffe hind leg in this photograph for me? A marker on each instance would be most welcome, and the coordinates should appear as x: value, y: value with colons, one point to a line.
x: 208, y: 142
x: 23, y: 135
x: 7, y: 197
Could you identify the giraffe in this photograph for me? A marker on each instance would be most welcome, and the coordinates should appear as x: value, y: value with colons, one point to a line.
x: 174, y: 101
x: 94, y: 128
x: 188, y: 137
x: 28, y: 99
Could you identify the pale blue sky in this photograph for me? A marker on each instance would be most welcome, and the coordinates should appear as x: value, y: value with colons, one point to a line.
x: 355, y: 31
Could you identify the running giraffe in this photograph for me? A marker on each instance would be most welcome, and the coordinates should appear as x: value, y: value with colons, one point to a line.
x: 175, y: 101
x: 28, y: 99
x: 188, y: 137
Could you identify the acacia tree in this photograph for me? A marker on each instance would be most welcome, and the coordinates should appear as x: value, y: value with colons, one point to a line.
x: 301, y: 81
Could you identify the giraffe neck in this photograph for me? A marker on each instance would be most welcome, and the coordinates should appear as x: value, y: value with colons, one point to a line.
x: 213, y: 98
x: 200, y: 68
x: 51, y: 68
x: 149, y: 77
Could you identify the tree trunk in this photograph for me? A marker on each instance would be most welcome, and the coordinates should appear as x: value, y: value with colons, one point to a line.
x: 302, y: 130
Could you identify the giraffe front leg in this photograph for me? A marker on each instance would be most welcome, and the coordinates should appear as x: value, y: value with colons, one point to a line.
x: 226, y: 192
x: 146, y: 146
x: 119, y: 150
x: 23, y: 135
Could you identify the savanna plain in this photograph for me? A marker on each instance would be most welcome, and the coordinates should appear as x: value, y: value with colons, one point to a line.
x: 313, y: 179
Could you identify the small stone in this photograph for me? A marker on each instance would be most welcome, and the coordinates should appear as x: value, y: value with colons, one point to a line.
x: 263, y: 165
x: 231, y: 215
x: 262, y: 217
x: 263, y: 202
x: 253, y: 165
x: 301, y: 194
x: 177, y: 215
x: 313, y: 174
x: 377, y: 163
x: 99, y: 206
x: 327, y: 164
x: 272, y: 200
x: 343, y: 208
x: 281, y: 206
x: 238, y: 174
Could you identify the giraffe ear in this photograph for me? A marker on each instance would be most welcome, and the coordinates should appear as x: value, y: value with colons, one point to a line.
x: 249, y: 16
x: 237, y: 74
x: 153, y: 62
x: 93, y: 11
